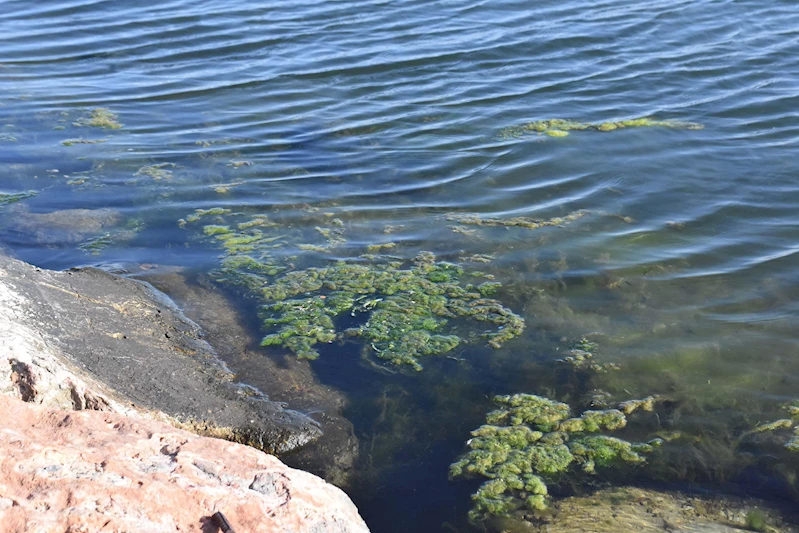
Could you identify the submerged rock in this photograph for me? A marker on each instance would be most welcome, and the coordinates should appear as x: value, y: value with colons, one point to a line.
x: 94, y: 471
x: 65, y: 227
x: 85, y: 339
x: 290, y: 380
x: 648, y: 511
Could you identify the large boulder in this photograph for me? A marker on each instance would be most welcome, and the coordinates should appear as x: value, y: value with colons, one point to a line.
x: 82, y: 471
x: 86, y: 339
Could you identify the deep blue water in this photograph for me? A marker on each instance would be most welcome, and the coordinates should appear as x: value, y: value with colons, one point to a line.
x: 390, y: 116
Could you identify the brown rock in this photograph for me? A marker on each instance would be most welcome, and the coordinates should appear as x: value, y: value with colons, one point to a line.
x: 90, y: 471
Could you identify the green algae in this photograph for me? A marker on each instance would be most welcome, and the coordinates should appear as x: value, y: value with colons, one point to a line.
x: 200, y: 213
x: 14, y: 197
x: 158, y: 171
x: 561, y: 128
x: 96, y: 245
x: 72, y: 142
x: 530, y: 440
x: 520, y: 222
x: 99, y: 117
x: 405, y: 310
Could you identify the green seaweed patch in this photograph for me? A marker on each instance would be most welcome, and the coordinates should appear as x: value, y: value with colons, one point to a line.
x: 72, y: 142
x: 96, y: 245
x: 14, y: 197
x: 99, y: 117
x: 159, y: 171
x: 515, y: 222
x: 407, y: 310
x: 561, y: 128
x: 200, y: 213
x: 530, y: 440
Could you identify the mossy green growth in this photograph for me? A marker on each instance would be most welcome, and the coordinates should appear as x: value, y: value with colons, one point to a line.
x: 14, y: 197
x: 99, y: 117
x: 96, y: 245
x: 159, y: 171
x: 520, y: 222
x: 561, y: 128
x: 407, y: 309
x: 530, y: 440
x: 756, y: 520
x: 72, y: 142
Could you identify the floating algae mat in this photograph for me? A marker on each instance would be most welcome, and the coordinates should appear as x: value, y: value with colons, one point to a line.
x: 408, y: 309
x: 561, y: 128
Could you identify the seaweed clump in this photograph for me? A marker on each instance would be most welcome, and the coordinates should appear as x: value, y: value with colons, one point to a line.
x: 14, y: 197
x: 406, y: 310
x: 791, y: 423
x: 99, y: 117
x: 531, y: 440
x: 561, y: 128
x: 520, y: 222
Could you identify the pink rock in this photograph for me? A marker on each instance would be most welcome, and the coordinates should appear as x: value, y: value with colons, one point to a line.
x: 93, y: 471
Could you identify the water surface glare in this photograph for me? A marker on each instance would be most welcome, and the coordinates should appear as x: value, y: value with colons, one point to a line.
x: 393, y: 117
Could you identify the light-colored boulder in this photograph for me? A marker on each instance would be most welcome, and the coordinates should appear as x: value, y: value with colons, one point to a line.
x: 92, y: 471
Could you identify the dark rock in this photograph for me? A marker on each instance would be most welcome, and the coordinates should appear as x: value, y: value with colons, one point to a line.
x: 63, y: 332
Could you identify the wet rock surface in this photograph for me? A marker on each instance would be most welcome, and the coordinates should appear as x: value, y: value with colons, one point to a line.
x: 99, y: 471
x: 86, y: 339
x: 288, y: 380
x: 64, y: 227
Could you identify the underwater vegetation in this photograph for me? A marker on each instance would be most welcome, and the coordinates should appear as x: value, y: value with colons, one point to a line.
x: 14, y: 197
x: 405, y: 310
x: 96, y: 245
x: 561, y: 128
x: 159, y: 171
x: 99, y: 117
x: 72, y: 142
x: 792, y: 423
x: 530, y: 440
x: 520, y: 222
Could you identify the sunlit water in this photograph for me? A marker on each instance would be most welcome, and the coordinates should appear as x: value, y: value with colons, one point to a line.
x: 389, y: 116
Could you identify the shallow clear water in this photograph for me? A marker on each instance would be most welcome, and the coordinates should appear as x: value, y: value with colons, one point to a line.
x: 390, y: 117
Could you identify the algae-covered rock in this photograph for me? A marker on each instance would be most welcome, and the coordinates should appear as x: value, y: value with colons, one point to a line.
x: 91, y: 230
x: 530, y: 440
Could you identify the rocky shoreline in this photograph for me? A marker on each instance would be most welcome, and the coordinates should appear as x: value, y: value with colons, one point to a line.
x: 86, y: 340
x: 112, y: 394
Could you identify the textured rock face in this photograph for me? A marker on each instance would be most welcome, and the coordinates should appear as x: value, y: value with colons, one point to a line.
x: 88, y: 340
x: 288, y: 380
x: 83, y: 471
